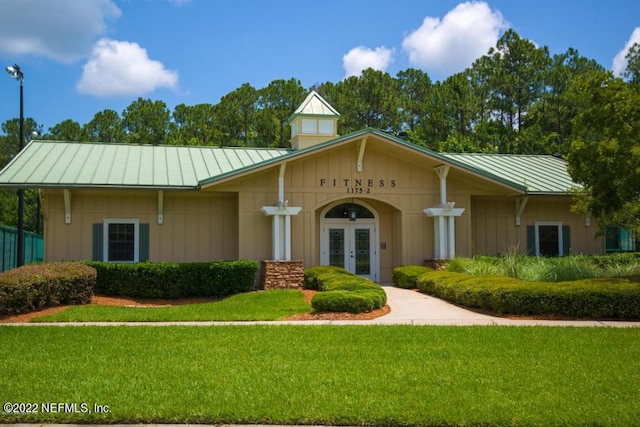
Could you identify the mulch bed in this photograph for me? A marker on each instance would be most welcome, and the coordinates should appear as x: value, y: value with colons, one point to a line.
x: 145, y: 302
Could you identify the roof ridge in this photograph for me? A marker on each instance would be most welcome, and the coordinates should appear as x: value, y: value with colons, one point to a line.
x: 501, y: 155
x: 128, y: 144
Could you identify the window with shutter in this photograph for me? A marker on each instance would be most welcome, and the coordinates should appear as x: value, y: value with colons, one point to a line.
x: 121, y: 240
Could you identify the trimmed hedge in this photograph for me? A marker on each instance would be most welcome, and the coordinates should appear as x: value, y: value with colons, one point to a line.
x: 175, y: 280
x: 36, y: 286
x: 602, y: 298
x: 342, y: 291
x: 406, y: 276
x: 314, y: 276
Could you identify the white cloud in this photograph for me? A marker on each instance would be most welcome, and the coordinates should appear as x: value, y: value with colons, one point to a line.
x: 620, y: 62
x: 120, y: 68
x: 451, y: 44
x: 63, y: 30
x: 360, y: 58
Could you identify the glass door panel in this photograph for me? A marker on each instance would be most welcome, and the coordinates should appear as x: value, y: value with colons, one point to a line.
x: 362, y: 240
x: 352, y: 247
x: 336, y: 247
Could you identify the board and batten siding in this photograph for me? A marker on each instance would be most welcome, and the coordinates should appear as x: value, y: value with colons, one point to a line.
x: 495, y: 232
x: 196, y: 227
x: 398, y: 187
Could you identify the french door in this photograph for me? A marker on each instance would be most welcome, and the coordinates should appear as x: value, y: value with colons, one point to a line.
x: 352, y: 247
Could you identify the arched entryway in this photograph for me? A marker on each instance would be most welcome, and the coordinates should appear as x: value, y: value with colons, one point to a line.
x: 349, y: 237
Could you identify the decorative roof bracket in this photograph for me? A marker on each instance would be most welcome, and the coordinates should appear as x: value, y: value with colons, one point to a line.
x: 160, y: 207
x: 67, y: 206
x: 361, y: 147
x: 521, y: 203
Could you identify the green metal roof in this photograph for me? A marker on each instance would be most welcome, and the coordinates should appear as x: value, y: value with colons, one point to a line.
x: 76, y: 164
x: 96, y: 165
x: 539, y: 174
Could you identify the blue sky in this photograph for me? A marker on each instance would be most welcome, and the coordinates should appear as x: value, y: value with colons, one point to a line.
x: 80, y: 57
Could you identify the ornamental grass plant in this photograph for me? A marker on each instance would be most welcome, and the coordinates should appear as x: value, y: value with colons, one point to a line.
x: 549, y: 269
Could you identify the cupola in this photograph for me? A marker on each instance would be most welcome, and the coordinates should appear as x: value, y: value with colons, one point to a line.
x: 314, y: 121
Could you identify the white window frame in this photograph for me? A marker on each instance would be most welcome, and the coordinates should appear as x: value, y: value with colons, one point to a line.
x: 558, y: 224
x: 136, y: 238
x: 325, y: 127
x: 309, y: 126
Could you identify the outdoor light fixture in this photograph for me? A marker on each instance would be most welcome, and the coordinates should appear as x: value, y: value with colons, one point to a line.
x: 16, y: 73
x: 353, y: 214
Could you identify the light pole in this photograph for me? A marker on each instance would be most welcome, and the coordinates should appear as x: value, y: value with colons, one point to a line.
x: 15, y: 72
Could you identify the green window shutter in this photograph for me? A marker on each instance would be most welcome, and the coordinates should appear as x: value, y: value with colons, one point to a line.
x: 531, y: 240
x: 98, y: 241
x: 566, y: 240
x: 143, y: 249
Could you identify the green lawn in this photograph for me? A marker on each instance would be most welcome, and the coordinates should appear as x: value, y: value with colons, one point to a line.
x: 355, y: 375
x: 261, y: 305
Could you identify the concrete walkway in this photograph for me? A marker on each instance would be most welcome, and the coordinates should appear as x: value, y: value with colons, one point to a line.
x: 408, y: 307
x: 415, y: 308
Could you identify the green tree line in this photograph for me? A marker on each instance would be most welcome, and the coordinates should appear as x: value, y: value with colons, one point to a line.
x: 516, y: 99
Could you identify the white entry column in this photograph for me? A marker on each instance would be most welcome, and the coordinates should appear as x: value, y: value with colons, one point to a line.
x: 281, y: 241
x: 444, y: 227
x: 281, y: 213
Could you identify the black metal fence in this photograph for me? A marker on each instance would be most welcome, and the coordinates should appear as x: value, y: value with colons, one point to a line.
x: 33, y: 247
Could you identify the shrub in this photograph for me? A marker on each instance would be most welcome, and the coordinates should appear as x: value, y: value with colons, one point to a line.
x: 175, y: 280
x: 342, y: 291
x: 312, y: 275
x: 613, y: 298
x: 342, y: 301
x: 36, y: 286
x: 406, y: 276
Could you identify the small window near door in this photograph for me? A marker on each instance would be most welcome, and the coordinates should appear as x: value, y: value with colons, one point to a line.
x: 549, y: 239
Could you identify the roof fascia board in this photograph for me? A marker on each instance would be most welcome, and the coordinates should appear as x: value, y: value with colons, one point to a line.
x: 97, y: 186
x: 293, y: 155
x: 451, y: 162
x: 16, y: 157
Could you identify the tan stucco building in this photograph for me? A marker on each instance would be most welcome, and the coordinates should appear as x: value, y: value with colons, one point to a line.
x: 368, y: 201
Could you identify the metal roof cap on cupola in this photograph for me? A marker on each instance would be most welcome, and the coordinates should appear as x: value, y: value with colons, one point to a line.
x: 314, y: 121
